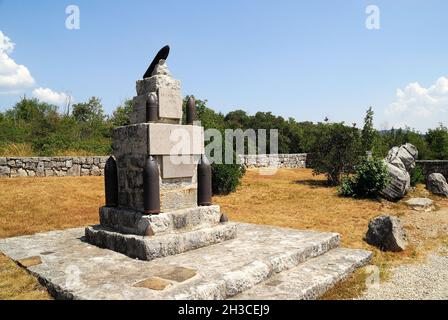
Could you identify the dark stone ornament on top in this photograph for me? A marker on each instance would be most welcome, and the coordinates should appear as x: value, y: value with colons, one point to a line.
x: 161, y: 55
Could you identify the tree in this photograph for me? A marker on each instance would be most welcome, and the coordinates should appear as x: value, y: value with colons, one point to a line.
x: 91, y: 111
x: 336, y: 152
x: 368, y: 131
x: 237, y: 119
x: 438, y: 142
x: 120, y: 117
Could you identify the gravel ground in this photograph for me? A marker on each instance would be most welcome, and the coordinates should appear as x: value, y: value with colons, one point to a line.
x: 425, y: 281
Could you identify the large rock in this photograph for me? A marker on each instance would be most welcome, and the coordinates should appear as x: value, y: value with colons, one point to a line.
x: 407, y: 153
x: 399, y: 161
x: 436, y: 183
x: 399, y: 184
x: 387, y: 233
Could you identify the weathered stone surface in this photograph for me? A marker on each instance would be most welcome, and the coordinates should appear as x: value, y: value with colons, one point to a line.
x: 178, y: 198
x: 21, y: 173
x: 436, y: 183
x: 30, y: 261
x: 153, y: 284
x: 167, y: 139
x: 421, y: 204
x: 179, y: 166
x: 276, y: 161
x: 170, y: 103
x: 168, y: 90
x: 399, y: 161
x: 131, y: 148
x: 74, y: 171
x: 222, y: 270
x: 387, y: 233
x: 5, y: 171
x: 400, y: 182
x: 310, y: 279
x: 134, y: 222
x: 178, y: 274
x: 407, y: 154
x: 51, y: 166
x: 157, y: 246
x: 434, y: 166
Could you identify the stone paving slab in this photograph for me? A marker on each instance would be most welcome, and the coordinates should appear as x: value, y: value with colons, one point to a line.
x: 74, y: 269
x: 310, y: 279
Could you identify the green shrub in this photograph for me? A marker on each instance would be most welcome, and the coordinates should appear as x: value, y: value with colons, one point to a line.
x: 370, y: 178
x: 417, y: 176
x: 346, y: 187
x: 336, y: 152
x: 226, y: 177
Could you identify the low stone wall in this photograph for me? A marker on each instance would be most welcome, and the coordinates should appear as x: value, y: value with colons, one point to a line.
x: 434, y: 166
x: 52, y: 166
x: 295, y: 160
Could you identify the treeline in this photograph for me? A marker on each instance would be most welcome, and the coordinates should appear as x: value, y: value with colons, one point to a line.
x: 34, y: 128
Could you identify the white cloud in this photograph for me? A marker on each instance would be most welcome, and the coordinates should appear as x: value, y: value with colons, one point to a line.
x: 419, y: 107
x: 49, y: 96
x: 13, y: 77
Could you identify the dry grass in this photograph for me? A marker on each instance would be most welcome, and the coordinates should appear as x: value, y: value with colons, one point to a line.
x: 295, y: 198
x: 31, y: 205
x: 16, y: 150
x: 74, y: 153
x: 17, y: 284
x: 26, y: 150
x: 291, y: 198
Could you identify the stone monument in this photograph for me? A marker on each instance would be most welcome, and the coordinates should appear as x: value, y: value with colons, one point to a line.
x: 153, y: 206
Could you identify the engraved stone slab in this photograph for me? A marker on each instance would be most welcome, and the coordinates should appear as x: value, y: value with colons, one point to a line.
x: 167, y: 139
x: 170, y: 103
x: 152, y: 283
x: 178, y: 274
x: 178, y: 166
x: 30, y: 261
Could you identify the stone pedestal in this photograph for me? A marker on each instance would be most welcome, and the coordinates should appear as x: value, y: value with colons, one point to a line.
x: 177, y: 149
x: 155, y: 236
x: 178, y: 178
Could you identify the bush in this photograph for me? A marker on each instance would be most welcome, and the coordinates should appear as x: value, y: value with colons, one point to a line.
x: 346, y: 187
x: 226, y: 177
x: 336, y: 152
x: 417, y: 176
x: 370, y: 178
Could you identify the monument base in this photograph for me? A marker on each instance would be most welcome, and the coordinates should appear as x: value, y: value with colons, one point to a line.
x: 149, y: 237
x: 149, y: 248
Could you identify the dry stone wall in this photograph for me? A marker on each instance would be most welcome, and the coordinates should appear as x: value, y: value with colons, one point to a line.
x: 434, y: 166
x: 52, y: 166
x: 296, y: 160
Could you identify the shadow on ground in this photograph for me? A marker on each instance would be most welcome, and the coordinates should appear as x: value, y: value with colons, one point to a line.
x: 313, y: 183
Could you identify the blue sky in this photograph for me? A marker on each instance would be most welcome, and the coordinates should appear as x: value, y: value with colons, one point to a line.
x: 301, y: 59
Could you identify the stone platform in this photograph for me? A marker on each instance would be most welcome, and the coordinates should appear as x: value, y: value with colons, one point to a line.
x: 148, y: 237
x: 261, y: 263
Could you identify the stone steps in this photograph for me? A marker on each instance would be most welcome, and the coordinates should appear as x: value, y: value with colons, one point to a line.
x: 238, y: 268
x: 310, y: 279
x: 242, y: 277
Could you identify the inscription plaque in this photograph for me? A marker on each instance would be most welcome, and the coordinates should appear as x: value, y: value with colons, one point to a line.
x: 170, y: 103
